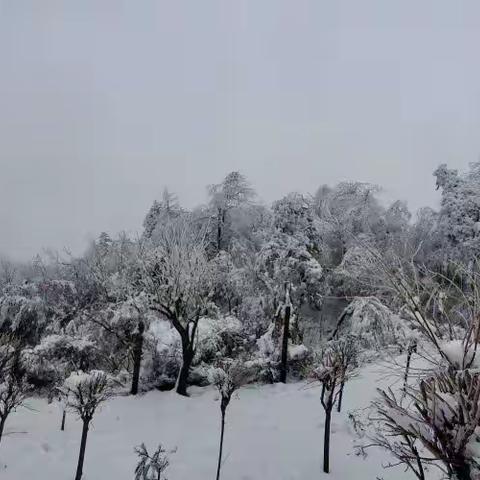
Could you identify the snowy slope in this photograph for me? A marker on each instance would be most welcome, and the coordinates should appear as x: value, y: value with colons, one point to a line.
x: 274, y: 432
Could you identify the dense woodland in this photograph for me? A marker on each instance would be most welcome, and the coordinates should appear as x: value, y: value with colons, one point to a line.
x: 234, y: 292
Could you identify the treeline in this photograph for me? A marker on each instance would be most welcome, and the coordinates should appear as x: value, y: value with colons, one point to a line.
x: 237, y: 281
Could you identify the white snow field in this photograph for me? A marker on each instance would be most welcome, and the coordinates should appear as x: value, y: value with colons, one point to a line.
x: 274, y: 432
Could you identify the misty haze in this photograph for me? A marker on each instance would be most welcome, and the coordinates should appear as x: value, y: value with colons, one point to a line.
x: 239, y: 240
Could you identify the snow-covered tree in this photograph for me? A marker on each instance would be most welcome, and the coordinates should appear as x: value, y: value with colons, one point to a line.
x: 289, y: 267
x: 160, y: 212
x: 13, y: 386
x: 459, y: 216
x: 84, y: 393
x: 23, y: 313
x: 232, y: 193
x: 227, y: 379
x: 346, y: 211
x: 176, y: 275
x: 336, y: 365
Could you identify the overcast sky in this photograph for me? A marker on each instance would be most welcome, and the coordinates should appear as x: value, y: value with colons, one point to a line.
x: 103, y: 103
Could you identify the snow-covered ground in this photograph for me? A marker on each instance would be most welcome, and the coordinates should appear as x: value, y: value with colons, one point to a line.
x: 274, y: 432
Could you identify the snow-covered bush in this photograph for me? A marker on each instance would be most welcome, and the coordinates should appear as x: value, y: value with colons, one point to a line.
x: 266, y: 357
x: 49, y: 362
x: 444, y: 417
x: 374, y: 325
x: 218, y: 337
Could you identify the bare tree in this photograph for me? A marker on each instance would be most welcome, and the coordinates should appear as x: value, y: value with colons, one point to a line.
x: 84, y: 393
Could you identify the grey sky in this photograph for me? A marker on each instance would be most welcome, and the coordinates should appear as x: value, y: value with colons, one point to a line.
x: 102, y: 103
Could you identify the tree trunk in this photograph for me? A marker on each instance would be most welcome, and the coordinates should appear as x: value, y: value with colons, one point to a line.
x: 411, y: 349
x: 407, y: 370
x: 83, y: 445
x: 2, y: 426
x: 220, y: 451
x: 219, y: 229
x: 462, y: 470
x: 286, y: 332
x: 182, y: 380
x: 64, y: 416
x: 326, y: 441
x: 340, y: 398
x: 137, y: 357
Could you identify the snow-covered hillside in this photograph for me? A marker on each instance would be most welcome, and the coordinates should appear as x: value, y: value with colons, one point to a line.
x: 274, y: 432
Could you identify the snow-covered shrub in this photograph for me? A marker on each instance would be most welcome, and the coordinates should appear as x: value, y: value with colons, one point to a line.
x: 444, y: 417
x: 55, y: 356
x: 300, y: 360
x: 218, y: 337
x: 266, y: 357
x: 162, y: 356
x: 374, y: 325
x: 151, y: 467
